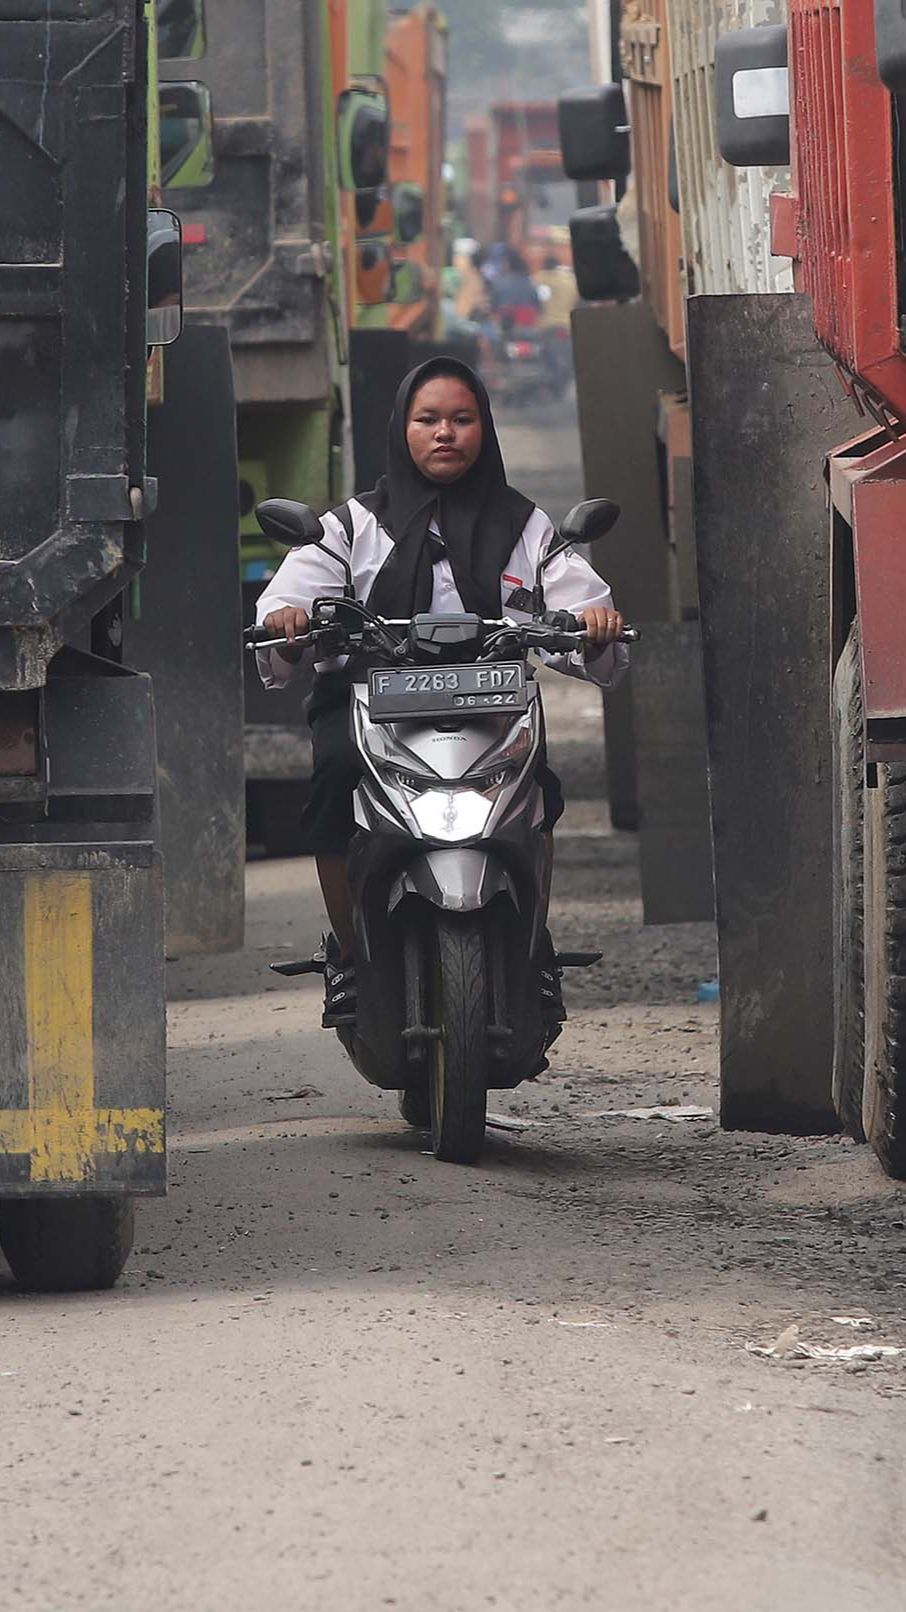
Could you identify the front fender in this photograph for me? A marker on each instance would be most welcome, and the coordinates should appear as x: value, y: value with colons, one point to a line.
x: 457, y: 880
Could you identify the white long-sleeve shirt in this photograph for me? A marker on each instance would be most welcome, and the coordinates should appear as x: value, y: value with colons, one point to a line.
x: 569, y: 584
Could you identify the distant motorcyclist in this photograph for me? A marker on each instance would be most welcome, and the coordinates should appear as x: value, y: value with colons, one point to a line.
x: 514, y: 295
x: 441, y: 532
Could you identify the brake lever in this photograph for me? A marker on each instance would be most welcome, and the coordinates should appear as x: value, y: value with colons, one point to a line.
x: 302, y: 641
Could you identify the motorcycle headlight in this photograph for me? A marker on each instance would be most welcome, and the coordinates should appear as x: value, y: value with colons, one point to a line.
x: 451, y: 814
x: 410, y: 781
x: 487, y: 781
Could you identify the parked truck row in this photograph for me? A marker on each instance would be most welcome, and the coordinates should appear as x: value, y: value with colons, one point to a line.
x: 128, y: 484
x: 770, y: 259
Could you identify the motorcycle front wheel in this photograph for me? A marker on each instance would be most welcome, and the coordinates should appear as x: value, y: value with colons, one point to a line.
x: 459, y: 1057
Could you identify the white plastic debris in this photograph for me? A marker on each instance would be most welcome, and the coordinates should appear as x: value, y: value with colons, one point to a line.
x: 859, y: 1323
x: 576, y: 1324
x: 671, y: 1111
x: 789, y: 1346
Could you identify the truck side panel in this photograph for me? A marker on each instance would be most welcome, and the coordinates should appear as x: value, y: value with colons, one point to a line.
x: 725, y: 211
x: 82, y: 1056
x: 72, y: 116
x: 255, y: 258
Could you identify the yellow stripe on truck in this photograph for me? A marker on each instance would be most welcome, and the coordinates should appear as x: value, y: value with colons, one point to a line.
x: 62, y: 1129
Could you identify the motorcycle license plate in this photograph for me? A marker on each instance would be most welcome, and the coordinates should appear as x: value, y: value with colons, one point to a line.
x: 447, y: 691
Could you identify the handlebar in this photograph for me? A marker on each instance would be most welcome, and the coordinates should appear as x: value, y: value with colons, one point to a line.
x: 558, y: 632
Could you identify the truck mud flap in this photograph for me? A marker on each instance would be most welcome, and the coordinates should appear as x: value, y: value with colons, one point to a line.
x: 82, y: 1071
x: 762, y: 536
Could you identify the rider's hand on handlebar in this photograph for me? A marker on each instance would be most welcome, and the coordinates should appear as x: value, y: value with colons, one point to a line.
x: 602, y: 627
x: 290, y: 623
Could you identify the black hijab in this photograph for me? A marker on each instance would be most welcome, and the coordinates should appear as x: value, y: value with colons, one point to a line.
x: 479, y: 516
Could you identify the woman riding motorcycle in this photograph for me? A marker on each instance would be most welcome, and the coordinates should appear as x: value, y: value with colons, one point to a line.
x: 442, y: 532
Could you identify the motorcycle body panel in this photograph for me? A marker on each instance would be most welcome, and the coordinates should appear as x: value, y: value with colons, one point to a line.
x: 427, y: 842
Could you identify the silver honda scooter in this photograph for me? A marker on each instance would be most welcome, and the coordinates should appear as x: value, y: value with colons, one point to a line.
x: 458, y: 983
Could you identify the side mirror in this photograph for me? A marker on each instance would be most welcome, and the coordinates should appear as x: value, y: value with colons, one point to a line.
x: 408, y: 281
x: 374, y: 210
x: 374, y: 272
x: 604, y: 270
x: 180, y: 29
x: 288, y: 522
x: 186, y: 136
x: 590, y: 520
x: 408, y: 213
x: 594, y: 133
x: 164, y: 315
x: 752, y: 89
x: 890, y: 44
x: 363, y: 139
x: 583, y: 524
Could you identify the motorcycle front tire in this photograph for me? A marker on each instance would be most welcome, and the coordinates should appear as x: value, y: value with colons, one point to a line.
x: 459, y: 1057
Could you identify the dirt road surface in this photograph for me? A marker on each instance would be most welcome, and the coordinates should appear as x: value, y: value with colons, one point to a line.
x: 339, y: 1376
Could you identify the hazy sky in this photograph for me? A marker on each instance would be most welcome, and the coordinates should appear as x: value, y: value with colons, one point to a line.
x: 505, y: 50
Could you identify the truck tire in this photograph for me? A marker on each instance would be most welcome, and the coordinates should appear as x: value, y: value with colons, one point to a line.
x: 884, y: 1090
x: 848, y: 873
x: 459, y: 1058
x: 66, y: 1245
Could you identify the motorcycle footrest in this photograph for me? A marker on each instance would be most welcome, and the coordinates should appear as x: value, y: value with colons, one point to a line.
x: 306, y: 965
x: 578, y: 959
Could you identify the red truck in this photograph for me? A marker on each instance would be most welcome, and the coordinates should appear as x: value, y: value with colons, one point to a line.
x: 842, y: 222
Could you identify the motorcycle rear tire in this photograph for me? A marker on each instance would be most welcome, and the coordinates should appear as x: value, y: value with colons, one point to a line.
x: 459, y: 1058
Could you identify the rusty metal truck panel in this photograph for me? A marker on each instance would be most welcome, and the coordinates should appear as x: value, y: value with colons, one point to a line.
x: 845, y: 174
x: 725, y: 211
x: 82, y: 1076
x: 72, y: 351
x: 81, y: 973
x: 645, y: 57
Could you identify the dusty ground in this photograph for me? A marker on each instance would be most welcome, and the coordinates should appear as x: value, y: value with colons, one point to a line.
x: 340, y: 1376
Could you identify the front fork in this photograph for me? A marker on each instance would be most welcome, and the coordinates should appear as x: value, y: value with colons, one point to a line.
x: 418, y: 958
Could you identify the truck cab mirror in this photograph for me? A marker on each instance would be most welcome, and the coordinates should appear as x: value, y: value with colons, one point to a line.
x: 164, y: 315
x: 374, y: 272
x: 286, y: 521
x: 408, y: 213
x: 408, y: 281
x: 751, y: 82
x: 594, y: 133
x: 363, y: 136
x: 589, y: 520
x: 604, y: 270
x: 890, y: 44
x: 180, y: 29
x: 186, y: 135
